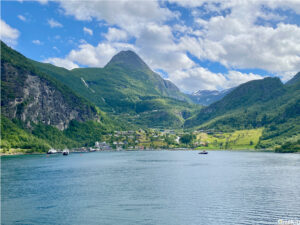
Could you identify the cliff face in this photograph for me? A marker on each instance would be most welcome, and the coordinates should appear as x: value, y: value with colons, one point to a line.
x: 33, y: 98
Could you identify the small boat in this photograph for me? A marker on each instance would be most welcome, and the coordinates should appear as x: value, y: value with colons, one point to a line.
x: 52, y: 151
x: 203, y: 152
x: 92, y: 149
x: 66, y: 152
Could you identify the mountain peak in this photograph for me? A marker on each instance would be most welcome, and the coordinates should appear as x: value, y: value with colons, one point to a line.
x: 207, y: 97
x: 128, y: 59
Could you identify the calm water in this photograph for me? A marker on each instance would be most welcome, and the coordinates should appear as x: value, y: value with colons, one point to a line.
x: 159, y: 188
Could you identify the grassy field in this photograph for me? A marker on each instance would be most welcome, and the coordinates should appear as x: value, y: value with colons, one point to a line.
x: 240, y: 139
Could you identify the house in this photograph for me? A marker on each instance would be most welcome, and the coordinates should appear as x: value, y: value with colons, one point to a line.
x: 177, y: 139
x: 102, y: 146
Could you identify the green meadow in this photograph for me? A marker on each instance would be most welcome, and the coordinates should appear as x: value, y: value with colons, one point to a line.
x: 240, y: 139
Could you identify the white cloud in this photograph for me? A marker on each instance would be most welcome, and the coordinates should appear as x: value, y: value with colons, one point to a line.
x: 8, y: 34
x: 238, y: 42
x: 43, y: 2
x: 235, y: 78
x: 89, y: 55
x: 37, y: 42
x: 234, y: 39
x: 217, y: 5
x: 53, y: 23
x: 23, y: 18
x: 82, y: 41
x: 114, y: 34
x: 199, y: 78
x: 55, y: 48
x: 157, y: 47
x: 87, y: 31
x: 190, y: 3
x: 68, y: 64
x: 92, y: 56
x: 122, y: 13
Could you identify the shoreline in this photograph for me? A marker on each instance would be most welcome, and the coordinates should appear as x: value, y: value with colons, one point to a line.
x: 21, y: 153
x: 16, y: 153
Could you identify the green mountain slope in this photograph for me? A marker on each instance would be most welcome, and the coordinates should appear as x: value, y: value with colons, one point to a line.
x: 241, y: 98
x: 38, y: 107
x: 43, y: 105
x: 127, y: 89
x: 263, y: 103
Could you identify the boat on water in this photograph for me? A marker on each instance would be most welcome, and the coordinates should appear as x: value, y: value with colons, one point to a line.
x: 203, y: 152
x: 52, y: 151
x: 66, y: 152
x: 92, y: 149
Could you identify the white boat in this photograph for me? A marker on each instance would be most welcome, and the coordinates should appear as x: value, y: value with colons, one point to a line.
x: 52, y: 151
x: 92, y: 149
x: 66, y: 152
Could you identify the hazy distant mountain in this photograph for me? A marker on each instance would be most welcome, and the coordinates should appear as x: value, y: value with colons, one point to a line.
x: 294, y: 80
x: 207, y: 97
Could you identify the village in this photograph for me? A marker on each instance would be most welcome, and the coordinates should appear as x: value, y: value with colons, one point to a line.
x: 156, y: 139
x: 149, y: 139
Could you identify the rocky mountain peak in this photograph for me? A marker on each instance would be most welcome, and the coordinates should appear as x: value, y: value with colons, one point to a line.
x: 128, y: 59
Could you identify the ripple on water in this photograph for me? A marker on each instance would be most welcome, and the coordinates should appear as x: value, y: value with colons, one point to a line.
x: 159, y: 187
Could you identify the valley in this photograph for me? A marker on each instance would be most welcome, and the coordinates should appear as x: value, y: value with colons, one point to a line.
x: 45, y: 106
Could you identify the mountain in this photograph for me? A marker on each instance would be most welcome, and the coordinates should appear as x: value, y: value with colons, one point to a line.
x: 243, y: 96
x: 32, y: 101
x: 263, y: 103
x: 207, y: 97
x: 127, y: 89
x: 128, y: 59
x: 294, y: 80
x: 45, y: 106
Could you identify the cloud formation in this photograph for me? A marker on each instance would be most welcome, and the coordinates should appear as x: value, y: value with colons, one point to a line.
x: 8, y: 34
x: 89, y: 55
x: 21, y: 17
x: 37, y: 42
x: 237, y: 41
x: 66, y: 63
x: 53, y: 23
x: 199, y: 78
x: 88, y: 31
x: 115, y: 34
x: 240, y: 35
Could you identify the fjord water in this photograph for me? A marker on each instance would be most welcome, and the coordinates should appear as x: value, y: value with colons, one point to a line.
x: 151, y: 187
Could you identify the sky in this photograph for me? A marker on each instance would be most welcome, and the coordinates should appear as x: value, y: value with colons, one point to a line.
x: 198, y: 45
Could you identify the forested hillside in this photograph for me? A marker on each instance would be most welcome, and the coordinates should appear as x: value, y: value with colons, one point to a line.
x: 43, y: 105
x: 263, y: 103
x: 128, y: 89
x: 37, y: 111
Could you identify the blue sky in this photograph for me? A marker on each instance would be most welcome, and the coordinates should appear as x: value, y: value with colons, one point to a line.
x: 195, y: 44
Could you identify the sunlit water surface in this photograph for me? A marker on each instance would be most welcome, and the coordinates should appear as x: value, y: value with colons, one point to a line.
x: 152, y: 187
